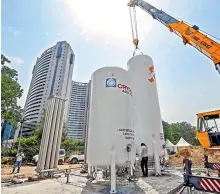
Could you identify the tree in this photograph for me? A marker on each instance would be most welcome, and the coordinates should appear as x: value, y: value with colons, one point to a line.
x: 167, y: 131
x: 4, y: 59
x: 29, y: 146
x: 10, y: 92
x: 64, y: 132
x: 175, y: 131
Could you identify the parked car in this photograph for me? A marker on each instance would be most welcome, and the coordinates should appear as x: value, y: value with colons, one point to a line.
x: 74, y: 159
x: 62, y: 154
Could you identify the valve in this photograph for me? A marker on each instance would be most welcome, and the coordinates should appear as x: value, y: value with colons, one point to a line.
x: 128, y: 147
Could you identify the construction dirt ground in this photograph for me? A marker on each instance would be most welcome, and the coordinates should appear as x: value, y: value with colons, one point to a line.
x: 196, y: 155
x: 28, y: 171
x: 79, y: 184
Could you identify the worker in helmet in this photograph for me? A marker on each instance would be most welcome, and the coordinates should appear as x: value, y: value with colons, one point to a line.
x: 144, y: 159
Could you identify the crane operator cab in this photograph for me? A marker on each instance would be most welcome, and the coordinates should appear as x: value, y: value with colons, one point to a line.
x: 208, y: 129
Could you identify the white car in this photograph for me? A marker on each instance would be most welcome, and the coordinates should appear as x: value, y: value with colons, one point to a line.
x: 62, y: 154
x: 74, y: 159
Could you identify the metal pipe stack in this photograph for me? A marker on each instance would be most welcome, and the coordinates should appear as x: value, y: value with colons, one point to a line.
x: 52, y: 133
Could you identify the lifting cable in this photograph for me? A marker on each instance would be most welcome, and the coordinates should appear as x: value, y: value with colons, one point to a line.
x: 134, y: 31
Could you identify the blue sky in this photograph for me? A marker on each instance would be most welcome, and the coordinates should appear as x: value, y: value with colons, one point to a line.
x: 100, y: 35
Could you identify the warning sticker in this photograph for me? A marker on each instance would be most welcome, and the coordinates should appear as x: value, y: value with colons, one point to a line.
x: 127, y: 133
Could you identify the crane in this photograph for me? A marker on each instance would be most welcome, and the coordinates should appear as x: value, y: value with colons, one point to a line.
x: 191, y: 35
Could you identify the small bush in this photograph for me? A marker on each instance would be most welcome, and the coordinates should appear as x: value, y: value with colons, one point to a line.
x: 7, y: 160
x: 9, y: 153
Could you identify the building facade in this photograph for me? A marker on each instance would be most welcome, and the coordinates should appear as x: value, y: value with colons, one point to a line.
x: 78, y: 110
x: 51, y: 75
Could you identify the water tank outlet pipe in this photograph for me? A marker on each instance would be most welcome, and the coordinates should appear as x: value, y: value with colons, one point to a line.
x: 113, y: 173
x: 156, y: 159
x: 89, y: 169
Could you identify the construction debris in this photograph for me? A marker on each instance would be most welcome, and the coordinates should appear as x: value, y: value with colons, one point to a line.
x: 196, y: 154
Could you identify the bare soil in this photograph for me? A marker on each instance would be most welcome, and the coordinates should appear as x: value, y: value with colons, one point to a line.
x: 196, y: 154
x: 29, y: 170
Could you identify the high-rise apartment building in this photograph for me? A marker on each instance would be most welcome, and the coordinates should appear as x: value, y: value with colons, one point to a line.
x: 52, y: 75
x: 78, y: 110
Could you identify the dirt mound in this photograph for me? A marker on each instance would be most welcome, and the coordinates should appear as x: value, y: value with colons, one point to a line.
x: 196, y: 154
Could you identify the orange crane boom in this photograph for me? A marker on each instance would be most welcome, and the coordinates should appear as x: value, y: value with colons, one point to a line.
x: 190, y: 34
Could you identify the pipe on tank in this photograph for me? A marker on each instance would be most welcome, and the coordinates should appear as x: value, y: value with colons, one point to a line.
x: 156, y: 159
x: 113, y: 173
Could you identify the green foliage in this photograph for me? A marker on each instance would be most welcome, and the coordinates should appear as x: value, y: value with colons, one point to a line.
x: 7, y: 160
x: 72, y: 145
x: 175, y: 131
x: 4, y: 59
x: 10, y: 92
x: 29, y: 146
x: 8, y: 153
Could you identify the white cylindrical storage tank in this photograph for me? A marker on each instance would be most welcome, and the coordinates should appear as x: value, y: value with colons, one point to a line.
x: 146, y: 109
x: 110, y: 117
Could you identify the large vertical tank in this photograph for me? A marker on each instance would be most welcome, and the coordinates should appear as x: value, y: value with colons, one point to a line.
x: 146, y: 110
x: 110, y: 117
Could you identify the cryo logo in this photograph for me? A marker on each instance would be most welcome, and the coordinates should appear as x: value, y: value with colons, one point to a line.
x: 110, y: 83
x: 125, y: 89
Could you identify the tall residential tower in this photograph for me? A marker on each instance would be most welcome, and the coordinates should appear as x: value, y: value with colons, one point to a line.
x: 52, y: 75
x: 78, y: 110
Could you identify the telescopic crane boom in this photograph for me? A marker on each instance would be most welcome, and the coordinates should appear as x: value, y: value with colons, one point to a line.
x: 190, y: 34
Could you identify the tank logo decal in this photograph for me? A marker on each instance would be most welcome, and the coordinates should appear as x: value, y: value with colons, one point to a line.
x: 151, y: 74
x: 110, y: 82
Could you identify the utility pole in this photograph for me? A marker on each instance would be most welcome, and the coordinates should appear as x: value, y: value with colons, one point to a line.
x: 19, y: 143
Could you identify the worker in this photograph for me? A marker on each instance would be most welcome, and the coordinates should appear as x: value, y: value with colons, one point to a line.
x: 187, y: 163
x: 18, y: 162
x: 144, y: 159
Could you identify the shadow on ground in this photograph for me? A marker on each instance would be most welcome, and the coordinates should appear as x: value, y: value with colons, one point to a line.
x: 124, y: 187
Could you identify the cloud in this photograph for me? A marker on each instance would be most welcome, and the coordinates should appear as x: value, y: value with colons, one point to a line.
x: 58, y: 34
x: 107, y: 20
x: 13, y: 31
x: 16, y: 60
x: 46, y: 33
